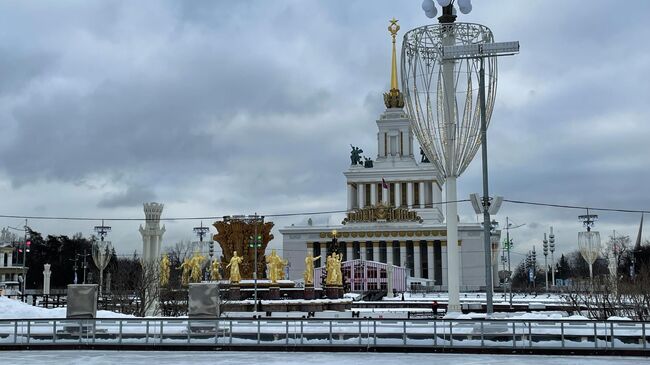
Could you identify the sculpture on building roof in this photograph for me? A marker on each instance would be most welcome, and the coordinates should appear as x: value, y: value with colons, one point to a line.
x: 367, y: 163
x: 355, y: 155
x: 425, y: 159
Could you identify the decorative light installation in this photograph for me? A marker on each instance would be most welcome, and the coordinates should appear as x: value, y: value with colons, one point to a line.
x: 102, y: 252
x: 589, y: 242
x: 442, y: 101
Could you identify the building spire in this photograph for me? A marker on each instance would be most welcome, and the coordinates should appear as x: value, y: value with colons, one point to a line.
x: 394, y: 98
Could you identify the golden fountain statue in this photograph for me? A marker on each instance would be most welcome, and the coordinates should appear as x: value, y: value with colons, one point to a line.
x: 235, y: 276
x: 214, y: 271
x: 333, y: 266
x: 235, y: 235
x: 196, y: 264
x: 275, y: 267
x: 186, y: 266
x: 164, y: 270
x: 308, y: 275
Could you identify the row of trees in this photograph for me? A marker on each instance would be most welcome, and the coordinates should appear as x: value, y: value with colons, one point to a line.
x: 630, y: 262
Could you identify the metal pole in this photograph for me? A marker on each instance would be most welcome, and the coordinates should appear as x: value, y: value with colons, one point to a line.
x: 25, y: 264
x: 255, y: 268
x: 486, y: 196
x: 509, y: 272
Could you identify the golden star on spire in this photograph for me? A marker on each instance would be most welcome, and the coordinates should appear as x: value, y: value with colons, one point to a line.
x: 393, y: 98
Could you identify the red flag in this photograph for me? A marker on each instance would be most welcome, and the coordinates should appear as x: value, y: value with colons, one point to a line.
x: 383, y: 183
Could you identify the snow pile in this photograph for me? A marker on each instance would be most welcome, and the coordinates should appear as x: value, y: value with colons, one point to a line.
x: 12, y: 309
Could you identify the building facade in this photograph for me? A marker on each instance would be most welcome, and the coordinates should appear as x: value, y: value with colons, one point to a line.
x: 394, y: 212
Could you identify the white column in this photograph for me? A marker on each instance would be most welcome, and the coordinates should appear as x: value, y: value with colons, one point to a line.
x: 409, y: 194
x: 402, y: 254
x: 422, y: 191
x: 398, y: 194
x: 373, y: 194
x: 375, y: 251
x: 417, y: 260
x: 443, y: 254
x: 430, y: 261
x: 2, y: 259
x: 9, y: 260
x: 436, y: 194
x: 145, y: 246
x: 360, y: 195
x: 390, y: 257
x: 46, y: 279
x: 385, y: 198
x: 350, y: 197
x: 348, y: 250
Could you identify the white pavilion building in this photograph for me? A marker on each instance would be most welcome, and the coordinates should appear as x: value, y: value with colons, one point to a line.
x: 394, y: 213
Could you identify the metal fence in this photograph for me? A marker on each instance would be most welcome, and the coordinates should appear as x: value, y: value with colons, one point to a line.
x: 370, y: 333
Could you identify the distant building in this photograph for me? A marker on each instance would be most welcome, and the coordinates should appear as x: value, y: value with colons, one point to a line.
x: 9, y: 270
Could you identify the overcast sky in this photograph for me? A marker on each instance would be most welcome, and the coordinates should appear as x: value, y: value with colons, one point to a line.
x: 233, y: 107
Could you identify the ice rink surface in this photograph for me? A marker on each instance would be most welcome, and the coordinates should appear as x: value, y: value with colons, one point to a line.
x: 284, y: 358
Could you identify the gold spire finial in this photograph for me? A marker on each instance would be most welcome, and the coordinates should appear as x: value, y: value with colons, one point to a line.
x: 393, y: 98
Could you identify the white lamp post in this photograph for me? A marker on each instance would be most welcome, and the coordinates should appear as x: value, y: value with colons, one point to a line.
x: 441, y: 96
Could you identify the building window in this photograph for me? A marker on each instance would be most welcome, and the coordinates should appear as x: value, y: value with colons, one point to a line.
x: 416, y: 194
x: 367, y: 195
x: 401, y: 143
x: 356, y: 251
x: 385, y: 144
x: 404, y: 194
x: 391, y: 188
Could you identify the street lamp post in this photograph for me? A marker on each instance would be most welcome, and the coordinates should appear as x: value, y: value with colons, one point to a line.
x: 508, y: 246
x: 545, y: 246
x: 480, y: 52
x: 551, y: 247
x: 202, y: 231
x: 100, y: 253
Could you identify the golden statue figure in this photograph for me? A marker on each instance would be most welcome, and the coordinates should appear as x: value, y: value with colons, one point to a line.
x: 330, y: 279
x: 337, y: 269
x: 214, y: 271
x: 235, y: 276
x: 275, y: 267
x: 164, y: 270
x: 196, y: 263
x: 272, y: 263
x: 185, y: 277
x: 333, y: 267
x: 308, y: 275
x: 280, y: 268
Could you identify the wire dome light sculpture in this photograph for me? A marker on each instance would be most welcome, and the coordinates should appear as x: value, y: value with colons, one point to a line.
x: 589, y: 243
x: 102, y: 251
x: 442, y: 101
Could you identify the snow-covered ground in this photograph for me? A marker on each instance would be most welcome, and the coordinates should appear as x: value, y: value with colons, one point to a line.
x: 12, y: 308
x: 280, y: 358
